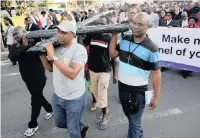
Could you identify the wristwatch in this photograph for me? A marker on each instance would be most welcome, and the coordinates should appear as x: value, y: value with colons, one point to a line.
x: 53, y: 59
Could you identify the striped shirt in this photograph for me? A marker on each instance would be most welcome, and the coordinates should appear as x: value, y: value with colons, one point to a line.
x: 136, y: 60
x: 99, y: 59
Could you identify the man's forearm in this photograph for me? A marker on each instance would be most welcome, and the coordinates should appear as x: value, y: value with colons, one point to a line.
x: 65, y: 69
x: 114, y: 66
x: 47, y: 65
x: 112, y: 47
x: 156, y: 79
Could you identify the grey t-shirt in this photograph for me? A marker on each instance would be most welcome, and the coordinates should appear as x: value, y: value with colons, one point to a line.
x: 64, y: 87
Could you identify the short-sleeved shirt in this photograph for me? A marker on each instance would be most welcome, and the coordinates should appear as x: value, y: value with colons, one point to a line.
x: 65, y: 87
x: 136, y: 60
x: 99, y: 59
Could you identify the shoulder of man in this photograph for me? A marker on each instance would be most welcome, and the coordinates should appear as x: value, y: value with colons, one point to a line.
x: 106, y: 37
x: 148, y: 43
x: 80, y: 48
x: 127, y: 37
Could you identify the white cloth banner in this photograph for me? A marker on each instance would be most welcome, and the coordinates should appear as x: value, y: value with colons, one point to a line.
x: 179, y: 47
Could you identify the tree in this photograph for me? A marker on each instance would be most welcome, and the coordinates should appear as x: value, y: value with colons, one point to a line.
x: 63, y: 6
x: 22, y: 5
x: 6, y: 5
x: 43, y: 4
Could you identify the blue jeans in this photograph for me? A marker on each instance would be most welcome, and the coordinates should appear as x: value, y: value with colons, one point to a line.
x: 135, y: 130
x: 67, y: 114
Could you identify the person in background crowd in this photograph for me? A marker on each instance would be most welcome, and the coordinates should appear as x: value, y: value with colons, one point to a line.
x: 169, y: 22
x: 154, y: 16
x: 8, y: 34
x: 100, y: 64
x: 177, y: 13
x: 187, y: 8
x: 133, y: 10
x: 26, y: 23
x: 155, y: 8
x: 83, y: 16
x: 64, y: 17
x: 182, y: 7
x: 184, y: 19
x: 28, y: 14
x: 31, y: 25
x: 68, y: 17
x: 167, y: 8
x: 43, y: 19
x: 50, y: 24
x: 2, y: 38
x: 62, y: 14
x: 55, y: 20
x: 67, y: 64
x: 91, y: 13
x: 133, y: 77
x: 39, y: 23
x: 162, y: 16
x: 195, y: 8
x: 75, y: 16
x: 192, y: 23
x: 198, y: 16
x: 114, y: 17
x: 33, y: 74
x: 123, y: 14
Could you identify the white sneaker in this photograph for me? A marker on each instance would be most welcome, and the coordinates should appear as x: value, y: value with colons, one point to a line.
x: 30, y: 131
x: 48, y: 116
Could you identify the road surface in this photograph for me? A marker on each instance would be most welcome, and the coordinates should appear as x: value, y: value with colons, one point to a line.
x: 177, y: 115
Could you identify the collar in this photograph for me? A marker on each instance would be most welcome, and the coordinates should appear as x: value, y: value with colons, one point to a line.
x: 130, y: 38
x: 50, y: 24
x: 169, y: 21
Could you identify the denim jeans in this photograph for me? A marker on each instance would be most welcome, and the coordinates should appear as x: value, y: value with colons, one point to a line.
x: 135, y: 130
x: 67, y: 114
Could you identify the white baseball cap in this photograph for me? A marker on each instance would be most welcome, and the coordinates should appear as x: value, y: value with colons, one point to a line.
x: 67, y: 26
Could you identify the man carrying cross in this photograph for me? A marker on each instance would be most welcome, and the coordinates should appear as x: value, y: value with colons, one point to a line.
x: 100, y: 63
x: 138, y: 57
x: 67, y: 64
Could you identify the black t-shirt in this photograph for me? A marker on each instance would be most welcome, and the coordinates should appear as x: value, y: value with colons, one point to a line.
x: 30, y: 65
x: 99, y: 59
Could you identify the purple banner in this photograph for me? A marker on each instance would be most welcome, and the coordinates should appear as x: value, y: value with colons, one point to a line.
x: 179, y: 66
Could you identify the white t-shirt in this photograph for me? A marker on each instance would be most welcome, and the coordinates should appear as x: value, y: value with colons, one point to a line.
x: 9, y: 35
x: 44, y: 21
x: 66, y: 88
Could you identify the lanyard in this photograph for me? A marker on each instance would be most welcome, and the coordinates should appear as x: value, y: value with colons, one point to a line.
x: 131, y: 53
x: 134, y: 48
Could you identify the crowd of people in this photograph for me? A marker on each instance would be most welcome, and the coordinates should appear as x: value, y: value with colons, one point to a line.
x: 93, y: 57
